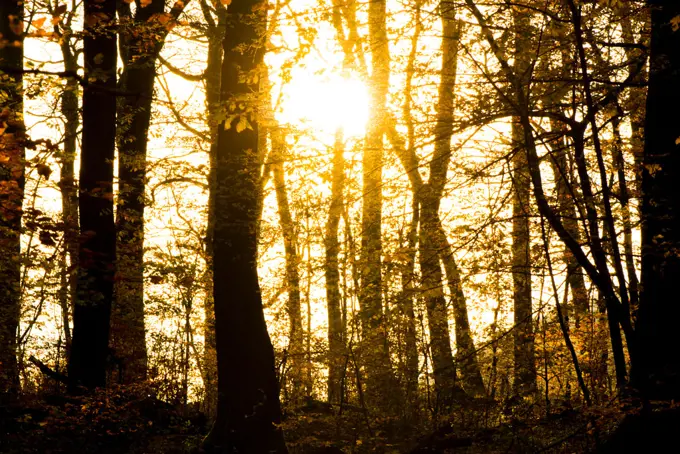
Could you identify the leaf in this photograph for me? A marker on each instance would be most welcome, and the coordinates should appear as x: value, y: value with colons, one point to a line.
x: 225, y: 2
x: 145, y: 3
x: 675, y: 23
x: 44, y: 171
x: 38, y: 23
x: 652, y: 168
x: 242, y: 124
x: 59, y: 10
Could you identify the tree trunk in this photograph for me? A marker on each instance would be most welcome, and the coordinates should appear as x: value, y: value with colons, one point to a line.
x: 430, y: 198
x: 380, y: 379
x: 408, y: 272
x: 213, y: 76
x: 566, y: 208
x: 92, y: 311
x: 248, y: 411
x: 69, y: 194
x: 336, y: 335
x: 140, y: 47
x: 435, y: 303
x: 12, y: 140
x: 657, y: 374
x: 295, y: 339
x: 525, y: 366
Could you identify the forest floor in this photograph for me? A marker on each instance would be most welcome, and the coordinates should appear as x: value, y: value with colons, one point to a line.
x: 132, y: 421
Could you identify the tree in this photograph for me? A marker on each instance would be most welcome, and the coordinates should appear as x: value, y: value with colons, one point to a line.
x: 295, y: 349
x: 12, y: 144
x: 67, y: 181
x: 248, y: 409
x: 525, y: 366
x: 336, y: 329
x: 380, y: 379
x: 141, y: 40
x: 97, y: 254
x: 657, y: 374
x: 213, y: 76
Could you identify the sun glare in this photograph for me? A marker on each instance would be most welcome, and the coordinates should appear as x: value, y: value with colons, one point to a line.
x: 325, y: 103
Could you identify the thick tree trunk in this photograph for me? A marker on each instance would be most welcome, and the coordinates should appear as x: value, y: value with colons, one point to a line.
x: 295, y: 333
x: 525, y: 366
x: 657, y: 373
x: 92, y: 311
x: 336, y: 335
x: 12, y: 140
x: 381, y: 387
x: 248, y: 411
x: 140, y: 46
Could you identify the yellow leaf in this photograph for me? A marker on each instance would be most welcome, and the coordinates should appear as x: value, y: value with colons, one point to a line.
x: 242, y: 124
x: 675, y: 23
x: 38, y: 23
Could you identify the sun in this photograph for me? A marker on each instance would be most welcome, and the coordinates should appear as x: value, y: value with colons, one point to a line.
x: 325, y: 103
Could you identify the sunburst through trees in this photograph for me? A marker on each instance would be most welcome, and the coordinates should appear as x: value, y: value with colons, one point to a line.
x: 382, y: 226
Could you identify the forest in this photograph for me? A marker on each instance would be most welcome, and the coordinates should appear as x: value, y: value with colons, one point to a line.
x: 339, y: 226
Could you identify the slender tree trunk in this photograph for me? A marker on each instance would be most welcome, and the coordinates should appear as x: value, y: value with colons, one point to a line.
x: 69, y: 194
x: 336, y: 344
x: 658, y: 372
x: 248, y: 411
x: 408, y: 272
x: 380, y: 379
x: 430, y: 198
x: 213, y: 76
x: 466, y: 354
x: 92, y: 311
x: 525, y: 366
x: 12, y: 156
x: 624, y: 198
x: 435, y: 303
x: 566, y: 208
x: 295, y: 342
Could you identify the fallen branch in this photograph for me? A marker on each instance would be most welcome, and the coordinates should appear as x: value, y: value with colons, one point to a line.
x: 49, y: 372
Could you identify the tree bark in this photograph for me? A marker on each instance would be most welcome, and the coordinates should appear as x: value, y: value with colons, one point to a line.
x: 140, y: 43
x: 657, y: 374
x: 524, y: 351
x: 12, y: 140
x: 336, y: 335
x: 408, y: 295
x: 92, y: 311
x: 213, y: 76
x: 248, y: 411
x: 69, y: 191
x: 295, y: 340
x: 380, y: 379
